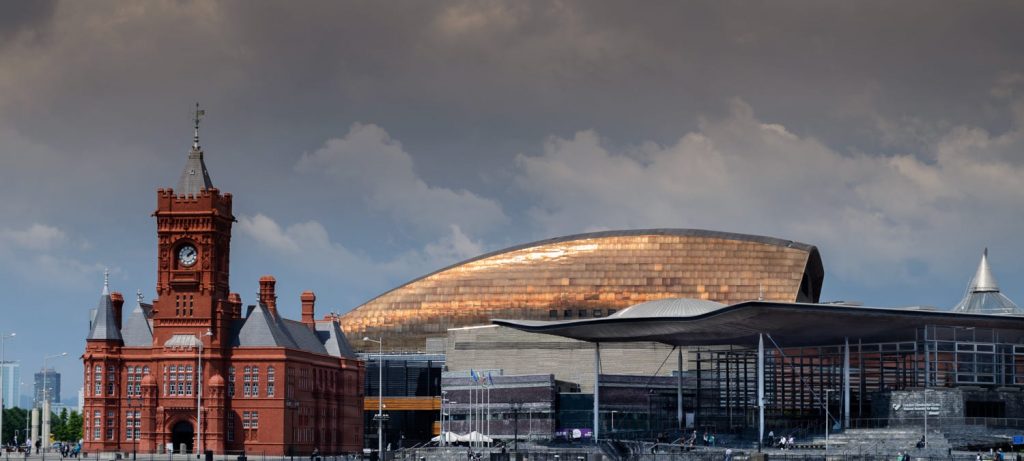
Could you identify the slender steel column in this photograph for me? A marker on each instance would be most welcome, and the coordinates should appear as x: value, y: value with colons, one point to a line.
x: 597, y: 387
x: 846, y: 383
x: 760, y: 389
x: 680, y: 417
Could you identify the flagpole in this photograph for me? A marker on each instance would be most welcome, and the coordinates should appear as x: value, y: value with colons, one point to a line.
x: 472, y: 409
x: 488, y: 411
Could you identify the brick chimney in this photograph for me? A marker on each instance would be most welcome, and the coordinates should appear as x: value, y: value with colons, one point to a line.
x: 267, y: 295
x: 235, y: 302
x: 308, y: 301
x: 117, y: 300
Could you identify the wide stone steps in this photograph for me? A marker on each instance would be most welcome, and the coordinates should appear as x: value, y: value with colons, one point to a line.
x: 886, y: 440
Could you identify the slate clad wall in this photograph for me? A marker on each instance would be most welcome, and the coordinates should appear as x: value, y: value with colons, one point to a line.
x: 520, y: 353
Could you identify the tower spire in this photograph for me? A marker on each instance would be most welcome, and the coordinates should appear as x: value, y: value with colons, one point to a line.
x: 199, y: 113
x: 106, y: 281
x: 194, y: 178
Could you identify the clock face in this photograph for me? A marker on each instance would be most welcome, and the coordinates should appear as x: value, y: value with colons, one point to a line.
x: 187, y: 255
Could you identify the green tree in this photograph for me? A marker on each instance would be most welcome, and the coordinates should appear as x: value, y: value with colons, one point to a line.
x: 73, y: 428
x: 58, y: 425
x: 14, y: 420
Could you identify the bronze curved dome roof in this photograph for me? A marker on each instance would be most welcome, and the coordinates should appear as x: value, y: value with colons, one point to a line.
x: 589, y: 275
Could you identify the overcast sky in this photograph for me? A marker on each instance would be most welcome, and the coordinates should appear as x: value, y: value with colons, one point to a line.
x: 368, y: 143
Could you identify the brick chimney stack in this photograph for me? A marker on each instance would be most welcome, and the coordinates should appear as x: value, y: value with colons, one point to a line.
x: 117, y: 300
x: 267, y: 295
x: 235, y: 302
x: 308, y: 302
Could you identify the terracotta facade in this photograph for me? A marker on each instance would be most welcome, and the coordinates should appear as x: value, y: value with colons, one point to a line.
x: 290, y: 393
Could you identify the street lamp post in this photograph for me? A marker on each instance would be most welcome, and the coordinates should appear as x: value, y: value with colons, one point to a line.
x: 3, y: 361
x: 28, y: 417
x: 380, y: 394
x: 293, y: 406
x: 613, y: 421
x: 515, y: 428
x: 45, y: 436
x: 199, y: 398
x: 451, y: 415
x: 135, y: 435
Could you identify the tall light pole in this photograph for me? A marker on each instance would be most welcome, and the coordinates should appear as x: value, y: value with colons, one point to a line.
x: 28, y: 416
x: 135, y: 436
x: 380, y: 394
x: 199, y: 398
x: 45, y: 435
x: 3, y: 377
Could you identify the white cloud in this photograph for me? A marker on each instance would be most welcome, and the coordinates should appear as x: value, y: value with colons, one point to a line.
x: 453, y: 247
x: 35, y: 237
x: 871, y: 214
x: 370, y: 159
x: 308, y: 245
x: 41, y: 253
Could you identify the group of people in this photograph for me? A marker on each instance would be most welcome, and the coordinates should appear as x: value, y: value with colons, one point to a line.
x: 782, y: 443
x: 708, y: 440
x: 69, y: 450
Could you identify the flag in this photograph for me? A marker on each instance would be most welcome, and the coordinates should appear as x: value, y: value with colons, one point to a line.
x: 472, y: 374
x: 490, y: 380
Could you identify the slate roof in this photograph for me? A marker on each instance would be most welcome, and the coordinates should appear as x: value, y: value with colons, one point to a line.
x: 195, y: 177
x: 104, y: 326
x: 329, y: 333
x: 138, y: 330
x: 263, y: 328
x: 260, y: 328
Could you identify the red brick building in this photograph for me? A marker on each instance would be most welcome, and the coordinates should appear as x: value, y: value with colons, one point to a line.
x: 266, y: 384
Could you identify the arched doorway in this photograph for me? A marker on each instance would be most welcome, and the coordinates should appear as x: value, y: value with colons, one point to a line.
x: 182, y: 436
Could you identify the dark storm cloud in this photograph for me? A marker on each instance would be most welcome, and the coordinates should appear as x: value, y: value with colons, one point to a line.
x: 879, y: 130
x: 28, y: 16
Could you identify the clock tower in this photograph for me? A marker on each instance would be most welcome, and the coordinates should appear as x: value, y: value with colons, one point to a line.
x: 194, y: 234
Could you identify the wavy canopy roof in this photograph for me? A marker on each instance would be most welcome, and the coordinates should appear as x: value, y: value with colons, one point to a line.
x: 790, y: 324
x: 587, y: 276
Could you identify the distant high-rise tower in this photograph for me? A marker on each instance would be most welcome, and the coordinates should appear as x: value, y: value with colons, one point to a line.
x: 10, y: 375
x: 52, y: 393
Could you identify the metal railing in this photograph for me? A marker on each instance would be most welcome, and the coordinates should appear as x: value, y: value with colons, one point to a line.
x: 878, y: 423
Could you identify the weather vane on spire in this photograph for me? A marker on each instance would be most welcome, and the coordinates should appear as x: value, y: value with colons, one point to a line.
x: 196, y: 116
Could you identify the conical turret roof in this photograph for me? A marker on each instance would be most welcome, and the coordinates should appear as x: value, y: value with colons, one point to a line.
x: 983, y: 296
x: 983, y: 279
x: 104, y: 327
x: 137, y: 331
x: 195, y: 177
